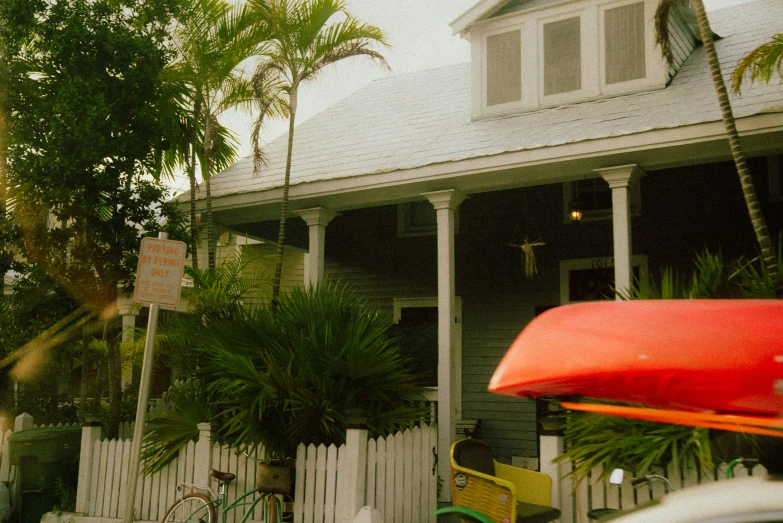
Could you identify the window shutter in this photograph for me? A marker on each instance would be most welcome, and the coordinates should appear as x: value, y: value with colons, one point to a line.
x: 562, y: 56
x: 624, y: 43
x: 504, y: 68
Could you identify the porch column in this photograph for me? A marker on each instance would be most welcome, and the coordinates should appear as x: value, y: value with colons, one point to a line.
x: 317, y: 219
x: 618, y: 179
x: 446, y: 204
x: 128, y: 310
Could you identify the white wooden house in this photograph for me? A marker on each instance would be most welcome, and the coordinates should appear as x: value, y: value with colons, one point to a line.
x: 420, y: 188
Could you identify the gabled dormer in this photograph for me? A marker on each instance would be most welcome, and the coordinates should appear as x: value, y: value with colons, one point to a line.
x: 530, y: 54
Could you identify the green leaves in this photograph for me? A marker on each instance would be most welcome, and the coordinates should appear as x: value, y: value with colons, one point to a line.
x: 639, y: 446
x: 303, y: 373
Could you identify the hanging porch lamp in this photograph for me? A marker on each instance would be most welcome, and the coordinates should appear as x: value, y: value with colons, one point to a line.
x: 575, y: 206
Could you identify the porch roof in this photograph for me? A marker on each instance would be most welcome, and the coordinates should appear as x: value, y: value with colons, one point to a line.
x: 414, y: 127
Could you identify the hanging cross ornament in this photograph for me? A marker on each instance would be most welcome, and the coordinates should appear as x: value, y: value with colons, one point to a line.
x: 530, y: 256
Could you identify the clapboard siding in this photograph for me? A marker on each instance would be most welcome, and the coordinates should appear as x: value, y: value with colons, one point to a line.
x: 379, y: 290
x: 682, y: 40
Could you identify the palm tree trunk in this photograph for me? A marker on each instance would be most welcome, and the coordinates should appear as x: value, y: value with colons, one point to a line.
x: 206, y: 175
x: 284, y: 203
x: 191, y: 167
x: 746, y: 181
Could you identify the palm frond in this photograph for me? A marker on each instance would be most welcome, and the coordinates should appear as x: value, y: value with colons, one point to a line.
x: 760, y: 64
x: 662, y: 29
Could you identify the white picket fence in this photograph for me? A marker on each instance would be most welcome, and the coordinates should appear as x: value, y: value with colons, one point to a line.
x: 599, y: 493
x: 399, y: 479
x: 394, y: 474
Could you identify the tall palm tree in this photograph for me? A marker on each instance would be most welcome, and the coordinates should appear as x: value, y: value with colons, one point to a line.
x: 746, y: 181
x: 211, y: 40
x: 303, y: 39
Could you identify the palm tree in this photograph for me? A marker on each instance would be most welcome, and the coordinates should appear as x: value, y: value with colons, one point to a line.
x: 746, y: 181
x: 211, y: 40
x: 302, y: 41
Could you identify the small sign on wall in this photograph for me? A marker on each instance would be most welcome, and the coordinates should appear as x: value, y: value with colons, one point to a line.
x: 159, y: 276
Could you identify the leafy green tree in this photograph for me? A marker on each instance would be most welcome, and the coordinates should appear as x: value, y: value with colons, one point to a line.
x: 89, y: 121
x: 211, y: 39
x: 303, y: 38
x: 727, y: 115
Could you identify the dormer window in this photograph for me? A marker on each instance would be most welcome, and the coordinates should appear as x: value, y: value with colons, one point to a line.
x: 535, y: 54
x: 562, y: 56
x: 504, y: 68
x: 624, y: 56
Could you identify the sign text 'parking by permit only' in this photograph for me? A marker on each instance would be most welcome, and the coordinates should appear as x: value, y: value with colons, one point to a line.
x: 161, y: 265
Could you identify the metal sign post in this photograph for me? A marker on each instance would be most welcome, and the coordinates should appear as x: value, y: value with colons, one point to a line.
x: 158, y: 281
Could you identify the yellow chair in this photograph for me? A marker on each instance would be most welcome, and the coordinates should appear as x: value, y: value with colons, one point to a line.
x: 490, y: 492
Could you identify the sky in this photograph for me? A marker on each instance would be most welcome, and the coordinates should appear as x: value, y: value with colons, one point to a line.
x: 420, y: 38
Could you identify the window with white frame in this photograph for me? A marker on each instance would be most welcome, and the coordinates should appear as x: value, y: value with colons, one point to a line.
x: 416, y: 326
x: 504, y: 68
x: 562, y: 46
x: 595, y: 197
x: 592, y: 279
x: 558, y: 53
x: 624, y: 43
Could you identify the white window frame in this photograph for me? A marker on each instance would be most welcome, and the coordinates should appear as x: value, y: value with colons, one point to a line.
x: 634, y: 198
x: 592, y: 34
x: 509, y: 106
x: 649, y: 45
x: 403, y: 303
x: 587, y: 87
x: 599, y: 262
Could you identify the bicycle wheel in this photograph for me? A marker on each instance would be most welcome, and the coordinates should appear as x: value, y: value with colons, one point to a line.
x: 191, y: 508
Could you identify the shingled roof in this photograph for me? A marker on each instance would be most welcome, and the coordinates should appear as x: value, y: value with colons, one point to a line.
x: 418, y: 119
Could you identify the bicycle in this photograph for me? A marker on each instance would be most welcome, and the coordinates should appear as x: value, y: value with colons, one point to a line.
x: 201, y: 507
x: 616, y: 478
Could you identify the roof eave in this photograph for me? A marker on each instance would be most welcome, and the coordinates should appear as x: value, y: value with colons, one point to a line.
x: 475, y: 13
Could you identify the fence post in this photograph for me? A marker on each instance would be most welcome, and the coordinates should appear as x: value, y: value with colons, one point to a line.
x: 352, y: 477
x: 203, y: 454
x: 91, y: 432
x: 22, y: 422
x: 551, y: 446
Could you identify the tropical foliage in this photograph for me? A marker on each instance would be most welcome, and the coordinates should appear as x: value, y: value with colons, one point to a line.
x: 304, y: 37
x: 298, y: 373
x: 595, y: 440
x: 303, y: 372
x: 760, y: 64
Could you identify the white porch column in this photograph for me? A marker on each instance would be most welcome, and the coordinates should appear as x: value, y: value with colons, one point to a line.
x: 317, y: 219
x: 446, y: 204
x: 128, y: 310
x: 618, y: 179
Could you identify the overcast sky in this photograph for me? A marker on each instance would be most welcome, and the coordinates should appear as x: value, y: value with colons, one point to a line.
x: 420, y: 38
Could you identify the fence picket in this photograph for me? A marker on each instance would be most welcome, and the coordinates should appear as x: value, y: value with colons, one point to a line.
x: 320, y: 482
x: 416, y: 477
x: 331, y: 484
x: 309, y: 490
x: 388, y: 514
x: 300, y: 483
x: 117, y: 479
x: 96, y: 461
x: 433, y: 497
x: 371, y: 461
x: 125, y: 458
x: 154, y: 495
x: 407, y: 468
x: 380, y: 475
x: 5, y: 466
x: 101, y: 490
